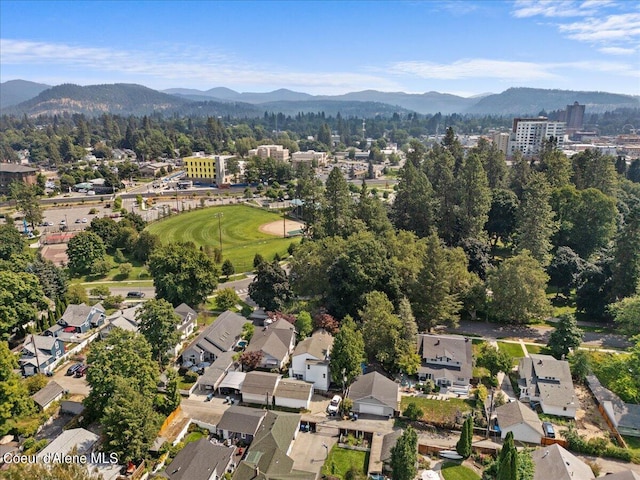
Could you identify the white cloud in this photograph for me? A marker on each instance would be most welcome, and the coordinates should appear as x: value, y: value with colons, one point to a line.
x: 623, y: 27
x: 551, y: 8
x: 506, y: 70
x: 617, y: 50
x: 168, y: 65
x: 474, y: 68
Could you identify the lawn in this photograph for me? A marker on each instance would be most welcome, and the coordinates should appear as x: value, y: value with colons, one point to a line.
x: 438, y: 411
x: 453, y: 471
x: 239, y: 224
x: 633, y: 443
x: 514, y: 350
x: 340, y: 461
x: 537, y: 350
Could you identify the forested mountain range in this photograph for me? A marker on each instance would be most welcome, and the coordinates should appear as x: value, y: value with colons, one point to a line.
x: 130, y: 99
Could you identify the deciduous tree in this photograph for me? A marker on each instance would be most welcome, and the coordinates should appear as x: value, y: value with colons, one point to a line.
x: 518, y: 290
x: 493, y: 359
x: 347, y: 353
x: 158, y: 323
x: 11, y: 242
x: 270, y: 288
x: 182, y: 274
x: 83, y: 251
x: 227, y: 298
x: 21, y: 298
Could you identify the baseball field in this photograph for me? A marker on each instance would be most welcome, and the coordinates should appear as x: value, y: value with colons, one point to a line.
x: 245, y: 231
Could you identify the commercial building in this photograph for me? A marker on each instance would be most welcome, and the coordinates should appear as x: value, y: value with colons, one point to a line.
x: 529, y: 134
x: 277, y: 152
x: 309, y: 157
x: 209, y: 169
x: 12, y: 172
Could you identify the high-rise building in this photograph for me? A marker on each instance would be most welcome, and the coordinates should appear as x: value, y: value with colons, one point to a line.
x: 529, y: 134
x: 574, y: 116
x: 501, y: 139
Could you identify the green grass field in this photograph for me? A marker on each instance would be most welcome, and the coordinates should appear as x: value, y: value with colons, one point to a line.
x: 438, y: 411
x: 340, y: 461
x: 514, y: 350
x: 239, y: 224
x: 454, y: 471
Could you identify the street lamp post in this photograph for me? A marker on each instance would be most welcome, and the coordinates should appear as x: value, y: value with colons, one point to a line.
x: 219, y: 215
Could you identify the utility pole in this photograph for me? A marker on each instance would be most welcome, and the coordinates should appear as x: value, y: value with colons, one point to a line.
x: 219, y: 215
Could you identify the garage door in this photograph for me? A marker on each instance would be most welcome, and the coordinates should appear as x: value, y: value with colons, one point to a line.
x: 373, y: 409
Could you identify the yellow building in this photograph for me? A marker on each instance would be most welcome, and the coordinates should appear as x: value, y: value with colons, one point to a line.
x: 201, y: 168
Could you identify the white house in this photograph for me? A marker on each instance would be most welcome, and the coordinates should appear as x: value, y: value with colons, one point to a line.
x: 519, y: 419
x: 292, y: 393
x: 547, y: 381
x: 447, y: 360
x: 310, y: 360
x: 276, y: 342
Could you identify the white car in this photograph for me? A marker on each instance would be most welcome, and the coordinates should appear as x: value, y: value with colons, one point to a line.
x: 334, y: 405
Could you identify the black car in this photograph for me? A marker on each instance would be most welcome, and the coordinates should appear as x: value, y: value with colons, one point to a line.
x: 135, y: 294
x: 74, y: 368
x: 548, y: 430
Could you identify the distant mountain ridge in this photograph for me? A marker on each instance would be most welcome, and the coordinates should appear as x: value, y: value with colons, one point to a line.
x: 131, y: 99
x: 14, y: 92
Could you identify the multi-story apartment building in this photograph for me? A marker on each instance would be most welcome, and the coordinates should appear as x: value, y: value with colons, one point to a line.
x: 207, y: 168
x: 12, y: 172
x: 529, y: 134
x: 501, y: 139
x: 277, y: 152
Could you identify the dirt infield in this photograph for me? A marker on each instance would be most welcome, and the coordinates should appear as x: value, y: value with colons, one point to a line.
x: 277, y: 228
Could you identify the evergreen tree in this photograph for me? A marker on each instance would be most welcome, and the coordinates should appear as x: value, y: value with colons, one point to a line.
x: 439, y: 167
x: 566, y: 337
x: 337, y: 210
x: 414, y: 207
x: 405, y: 455
x: 463, y: 447
x: 474, y: 198
x: 536, y: 219
x: 626, y: 257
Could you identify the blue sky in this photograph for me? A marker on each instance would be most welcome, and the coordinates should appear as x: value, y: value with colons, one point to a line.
x: 329, y: 47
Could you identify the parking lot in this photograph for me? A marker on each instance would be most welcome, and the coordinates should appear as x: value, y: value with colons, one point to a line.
x: 75, y: 386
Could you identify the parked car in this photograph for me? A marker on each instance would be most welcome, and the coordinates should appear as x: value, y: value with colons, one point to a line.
x: 547, y: 427
x: 84, y: 220
x: 74, y: 368
x: 135, y: 294
x: 78, y: 220
x: 334, y: 405
x: 81, y: 371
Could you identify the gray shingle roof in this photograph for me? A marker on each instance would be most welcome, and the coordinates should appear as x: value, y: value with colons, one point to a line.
x: 554, y: 462
x: 197, y: 461
x: 83, y: 440
x: 453, y: 347
x: 48, y: 394
x: 296, y: 389
x: 274, y: 340
x: 317, y: 345
x: 221, y: 335
x: 76, y: 315
x: 514, y: 413
x: 241, y: 419
x: 260, y: 383
x: 551, y: 378
x: 15, y: 168
x: 377, y: 386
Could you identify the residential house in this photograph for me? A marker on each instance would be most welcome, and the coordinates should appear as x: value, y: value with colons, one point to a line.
x: 221, y: 336
x: 126, y: 319
x: 268, y: 456
x: 276, y: 342
x: 201, y: 460
x: 240, y: 424
x: 310, y: 360
x: 188, y: 320
x: 39, y: 354
x: 259, y: 387
x: 519, y: 419
x: 52, y: 392
x: 153, y: 169
x: 554, y: 462
x: 79, y: 438
x: 375, y: 394
x: 293, y: 393
x: 380, y: 453
x: 624, y: 416
x: 81, y: 318
x: 547, y: 381
x: 447, y: 360
x: 217, y: 371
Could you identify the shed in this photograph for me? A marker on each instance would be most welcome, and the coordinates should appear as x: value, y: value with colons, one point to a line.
x: 49, y: 394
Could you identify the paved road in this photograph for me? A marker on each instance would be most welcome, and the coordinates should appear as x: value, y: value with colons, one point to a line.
x: 537, y: 334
